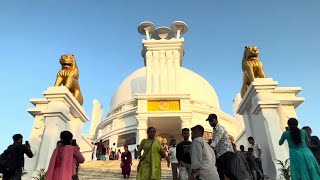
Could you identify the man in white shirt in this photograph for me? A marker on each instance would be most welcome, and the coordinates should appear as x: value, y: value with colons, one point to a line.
x: 223, y: 148
x: 173, y: 159
x: 202, y: 157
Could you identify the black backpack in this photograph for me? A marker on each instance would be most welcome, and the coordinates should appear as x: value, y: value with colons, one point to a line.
x: 3, y: 161
x: 9, y: 159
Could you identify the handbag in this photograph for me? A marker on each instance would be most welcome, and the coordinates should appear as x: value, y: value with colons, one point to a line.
x: 143, y: 156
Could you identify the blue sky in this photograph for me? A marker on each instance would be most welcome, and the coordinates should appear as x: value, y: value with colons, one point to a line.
x: 103, y: 36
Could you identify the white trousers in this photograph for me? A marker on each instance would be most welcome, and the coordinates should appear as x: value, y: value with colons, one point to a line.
x: 183, y: 172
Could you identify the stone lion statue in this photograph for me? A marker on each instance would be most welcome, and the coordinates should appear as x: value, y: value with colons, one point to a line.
x: 69, y: 75
x: 251, y: 66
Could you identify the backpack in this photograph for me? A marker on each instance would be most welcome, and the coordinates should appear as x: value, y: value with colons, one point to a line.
x: 3, y: 161
x: 9, y: 160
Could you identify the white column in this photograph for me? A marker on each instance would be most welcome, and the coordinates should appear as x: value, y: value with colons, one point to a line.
x: 262, y: 113
x: 176, y: 66
x: 142, y: 128
x: 37, y: 132
x: 156, y: 68
x: 247, y: 120
x: 186, y: 123
x: 170, y: 72
x: 57, y: 112
x: 56, y: 118
x: 75, y: 126
x: 162, y: 72
x: 97, y: 113
x: 149, y: 77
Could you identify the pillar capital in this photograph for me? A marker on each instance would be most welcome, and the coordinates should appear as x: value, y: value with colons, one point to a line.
x: 63, y: 95
x: 186, y: 121
x: 142, y: 122
x: 261, y: 89
x: 186, y: 118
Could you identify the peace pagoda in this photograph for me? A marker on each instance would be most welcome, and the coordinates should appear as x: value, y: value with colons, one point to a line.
x: 162, y: 94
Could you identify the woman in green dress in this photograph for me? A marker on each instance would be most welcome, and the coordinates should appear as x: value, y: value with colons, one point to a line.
x: 303, y: 164
x: 149, y: 167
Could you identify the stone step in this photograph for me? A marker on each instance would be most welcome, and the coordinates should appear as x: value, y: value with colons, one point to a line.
x: 110, y: 170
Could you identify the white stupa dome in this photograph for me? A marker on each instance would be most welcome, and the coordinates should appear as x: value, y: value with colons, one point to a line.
x: 188, y: 82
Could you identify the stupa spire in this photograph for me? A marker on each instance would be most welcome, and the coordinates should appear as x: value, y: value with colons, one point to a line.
x: 163, y: 51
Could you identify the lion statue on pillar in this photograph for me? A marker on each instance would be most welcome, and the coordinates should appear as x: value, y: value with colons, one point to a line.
x: 68, y: 76
x: 251, y: 66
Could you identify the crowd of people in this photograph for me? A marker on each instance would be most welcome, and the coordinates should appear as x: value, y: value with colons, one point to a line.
x: 199, y: 159
x: 219, y: 159
x: 106, y: 153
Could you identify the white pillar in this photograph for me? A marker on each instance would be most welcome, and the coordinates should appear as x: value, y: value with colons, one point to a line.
x: 57, y: 112
x: 97, y: 113
x: 56, y: 118
x: 149, y: 79
x: 142, y: 128
x: 262, y: 112
x: 186, y: 123
x: 162, y: 59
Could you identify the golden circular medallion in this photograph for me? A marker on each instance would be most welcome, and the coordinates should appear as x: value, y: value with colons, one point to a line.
x: 163, y: 105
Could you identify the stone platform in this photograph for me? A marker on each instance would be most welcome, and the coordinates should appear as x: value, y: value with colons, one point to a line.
x: 110, y: 170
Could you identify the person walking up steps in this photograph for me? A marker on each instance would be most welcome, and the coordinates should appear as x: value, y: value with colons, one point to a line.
x: 149, y: 167
x: 223, y: 148
x: 257, y: 154
x: 174, y: 161
x: 100, y: 146
x: 126, y: 162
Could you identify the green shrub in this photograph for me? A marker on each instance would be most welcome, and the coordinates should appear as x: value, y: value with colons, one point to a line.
x: 40, y: 175
x: 284, y: 169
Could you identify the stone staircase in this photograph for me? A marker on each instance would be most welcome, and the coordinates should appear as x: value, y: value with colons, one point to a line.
x: 110, y: 170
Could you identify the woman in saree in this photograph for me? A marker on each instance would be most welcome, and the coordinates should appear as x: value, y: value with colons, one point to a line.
x: 149, y: 167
